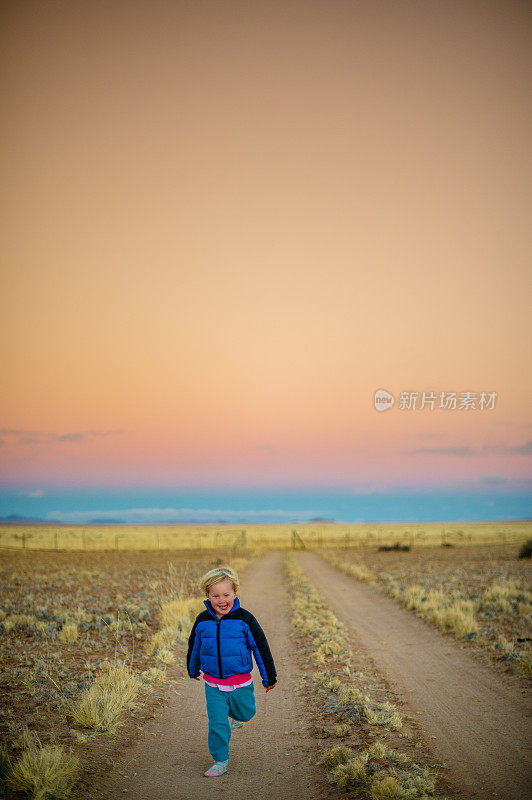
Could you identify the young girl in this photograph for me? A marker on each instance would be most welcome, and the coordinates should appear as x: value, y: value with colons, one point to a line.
x: 220, y: 645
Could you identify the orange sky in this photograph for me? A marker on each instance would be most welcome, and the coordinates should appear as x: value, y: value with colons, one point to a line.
x: 225, y: 225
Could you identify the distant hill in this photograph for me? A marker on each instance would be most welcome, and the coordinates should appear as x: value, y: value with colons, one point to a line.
x: 18, y: 519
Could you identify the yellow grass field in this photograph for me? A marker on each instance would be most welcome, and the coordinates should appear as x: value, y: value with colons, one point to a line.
x: 207, y: 537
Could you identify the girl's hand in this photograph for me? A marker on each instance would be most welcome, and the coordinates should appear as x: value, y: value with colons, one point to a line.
x: 271, y: 687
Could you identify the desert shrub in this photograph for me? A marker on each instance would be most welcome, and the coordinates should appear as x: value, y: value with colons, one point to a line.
x: 414, y: 596
x: 359, y: 571
x: 113, y: 692
x: 177, y: 617
x: 459, y: 617
x: 179, y: 614
x: 508, y: 598
x: 355, y: 570
x: 386, y: 788
x: 386, y: 548
x: 349, y: 776
x: 14, y: 622
x: 381, y: 751
x: 334, y: 756
x: 526, y: 549
x: 525, y: 663
x: 153, y: 675
x: 69, y: 632
x: 378, y: 772
x: 165, y: 656
x: 44, y: 771
x: 328, y: 651
x: 439, y: 608
x: 505, y: 645
x: 80, y: 615
x: 162, y: 640
x: 342, y: 730
x: 324, y: 682
x: 384, y: 714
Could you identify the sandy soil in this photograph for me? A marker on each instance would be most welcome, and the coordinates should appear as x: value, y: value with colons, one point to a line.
x: 475, y: 721
x: 269, y: 757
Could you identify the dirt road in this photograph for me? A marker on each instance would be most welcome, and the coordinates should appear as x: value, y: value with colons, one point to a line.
x: 266, y: 759
x: 475, y: 721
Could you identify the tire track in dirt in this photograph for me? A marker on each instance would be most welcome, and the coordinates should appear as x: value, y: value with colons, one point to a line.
x: 476, y: 722
x: 265, y: 760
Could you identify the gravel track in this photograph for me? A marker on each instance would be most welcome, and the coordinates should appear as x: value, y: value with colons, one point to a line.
x: 475, y: 721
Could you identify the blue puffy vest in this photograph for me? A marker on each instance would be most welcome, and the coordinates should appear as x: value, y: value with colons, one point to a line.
x: 223, y: 647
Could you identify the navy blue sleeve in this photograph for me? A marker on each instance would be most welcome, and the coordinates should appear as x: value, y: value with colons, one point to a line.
x: 261, y: 651
x: 193, y: 659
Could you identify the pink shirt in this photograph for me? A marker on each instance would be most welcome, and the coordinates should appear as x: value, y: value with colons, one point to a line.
x: 228, y: 684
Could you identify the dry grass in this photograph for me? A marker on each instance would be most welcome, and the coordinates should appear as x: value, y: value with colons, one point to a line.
x: 508, y: 597
x: 45, y: 772
x: 176, y: 618
x: 14, y: 622
x: 379, y: 772
x: 165, y: 657
x: 103, y: 704
x: 69, y: 632
x: 440, y: 608
x: 153, y: 675
x: 524, y: 665
x: 354, y: 569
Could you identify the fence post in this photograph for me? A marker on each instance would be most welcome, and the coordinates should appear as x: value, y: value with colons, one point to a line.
x: 297, y: 538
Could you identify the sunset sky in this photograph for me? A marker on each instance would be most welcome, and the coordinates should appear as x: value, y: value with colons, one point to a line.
x: 225, y: 225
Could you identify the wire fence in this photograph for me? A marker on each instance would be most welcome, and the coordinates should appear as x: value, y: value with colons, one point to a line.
x: 179, y: 537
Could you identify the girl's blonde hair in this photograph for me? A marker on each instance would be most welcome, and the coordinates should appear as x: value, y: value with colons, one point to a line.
x: 219, y: 574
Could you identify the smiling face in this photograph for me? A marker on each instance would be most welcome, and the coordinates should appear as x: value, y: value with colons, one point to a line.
x: 222, y: 597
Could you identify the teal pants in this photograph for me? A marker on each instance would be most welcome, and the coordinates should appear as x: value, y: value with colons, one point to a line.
x: 238, y: 704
